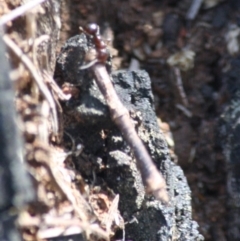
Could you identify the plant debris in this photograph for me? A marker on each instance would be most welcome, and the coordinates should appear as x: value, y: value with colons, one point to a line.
x: 187, y: 47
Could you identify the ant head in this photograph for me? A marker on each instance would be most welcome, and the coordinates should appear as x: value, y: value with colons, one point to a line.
x: 91, y: 28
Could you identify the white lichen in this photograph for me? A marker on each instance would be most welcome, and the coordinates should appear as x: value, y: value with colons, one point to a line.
x: 184, y: 60
x: 211, y: 3
x: 232, y: 41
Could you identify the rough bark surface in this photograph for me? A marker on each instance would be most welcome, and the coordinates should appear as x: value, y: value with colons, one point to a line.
x: 15, y: 186
x: 44, y: 20
x: 88, y: 121
x: 49, y: 23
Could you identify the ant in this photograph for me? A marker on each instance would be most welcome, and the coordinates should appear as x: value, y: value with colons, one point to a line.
x: 92, y: 30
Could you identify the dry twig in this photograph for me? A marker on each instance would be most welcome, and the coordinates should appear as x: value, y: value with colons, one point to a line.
x: 180, y: 85
x: 152, y: 178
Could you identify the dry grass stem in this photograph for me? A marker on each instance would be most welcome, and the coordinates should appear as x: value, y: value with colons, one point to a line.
x: 36, y: 76
x: 55, y: 88
x: 19, y: 11
x: 56, y: 226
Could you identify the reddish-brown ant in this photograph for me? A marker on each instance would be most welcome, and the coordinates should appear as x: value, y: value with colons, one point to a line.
x: 92, y: 29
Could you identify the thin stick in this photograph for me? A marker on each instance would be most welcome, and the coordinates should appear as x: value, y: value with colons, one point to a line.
x: 55, y: 88
x: 180, y: 85
x: 194, y: 9
x: 187, y: 112
x: 53, y: 223
x: 19, y: 11
x: 151, y: 177
x: 36, y: 76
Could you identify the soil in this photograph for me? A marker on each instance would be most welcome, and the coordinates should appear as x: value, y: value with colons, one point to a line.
x: 151, y: 32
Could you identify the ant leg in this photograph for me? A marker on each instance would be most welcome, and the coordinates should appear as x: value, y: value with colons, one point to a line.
x: 90, y: 64
x: 82, y: 30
